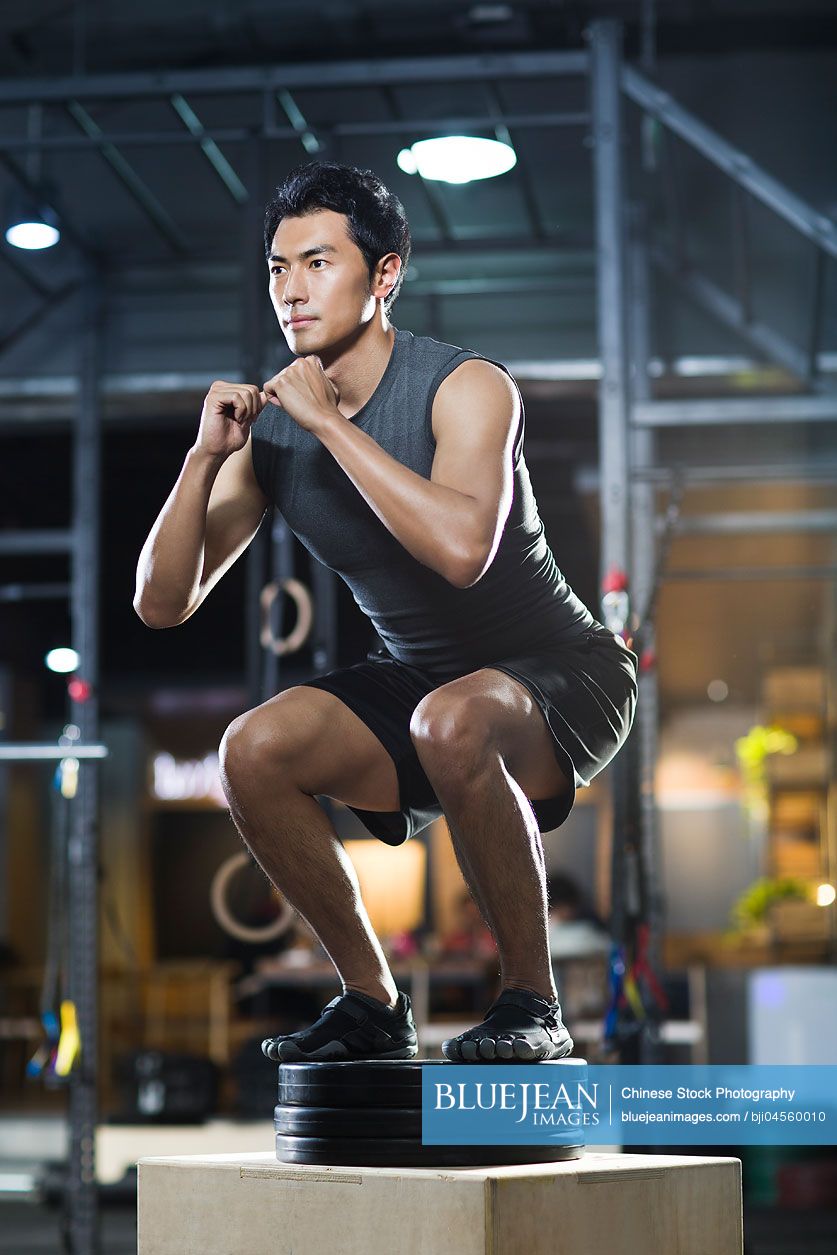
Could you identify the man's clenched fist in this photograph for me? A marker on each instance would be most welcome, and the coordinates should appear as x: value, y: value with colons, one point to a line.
x: 305, y: 392
x: 229, y: 411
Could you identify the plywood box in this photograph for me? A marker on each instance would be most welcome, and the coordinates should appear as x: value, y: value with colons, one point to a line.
x: 794, y: 689
x: 807, y: 765
x: 250, y: 1204
x: 799, y: 921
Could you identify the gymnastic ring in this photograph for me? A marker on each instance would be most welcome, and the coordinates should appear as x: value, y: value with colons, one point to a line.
x: 304, y: 616
x: 225, y: 918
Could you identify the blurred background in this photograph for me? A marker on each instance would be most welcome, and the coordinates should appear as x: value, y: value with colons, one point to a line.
x: 655, y: 265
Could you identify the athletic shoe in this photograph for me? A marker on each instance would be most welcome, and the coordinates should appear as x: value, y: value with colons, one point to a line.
x: 352, y: 1026
x: 520, y: 1027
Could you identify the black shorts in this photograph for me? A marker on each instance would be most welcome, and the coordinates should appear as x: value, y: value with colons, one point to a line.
x: 586, y: 689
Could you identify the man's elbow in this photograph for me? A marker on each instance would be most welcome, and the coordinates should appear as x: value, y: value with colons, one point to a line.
x: 153, y: 617
x: 467, y: 569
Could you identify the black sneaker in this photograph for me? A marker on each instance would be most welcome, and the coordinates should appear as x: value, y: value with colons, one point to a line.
x: 520, y: 1027
x: 352, y: 1026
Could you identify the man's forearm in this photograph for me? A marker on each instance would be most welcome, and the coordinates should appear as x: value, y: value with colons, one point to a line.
x: 437, y: 525
x: 171, y: 562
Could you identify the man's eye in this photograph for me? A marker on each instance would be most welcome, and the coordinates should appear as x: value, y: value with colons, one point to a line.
x: 317, y: 261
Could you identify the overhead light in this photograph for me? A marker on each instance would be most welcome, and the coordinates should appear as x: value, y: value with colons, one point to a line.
x: 457, y: 158
x: 30, y: 224
x: 62, y: 660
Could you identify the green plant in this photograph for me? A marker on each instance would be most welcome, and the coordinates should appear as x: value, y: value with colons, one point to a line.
x: 752, y: 907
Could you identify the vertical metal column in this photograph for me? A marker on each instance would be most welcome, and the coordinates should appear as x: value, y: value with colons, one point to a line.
x: 608, y: 179
x: 643, y: 741
x: 5, y: 723
x: 609, y: 187
x: 251, y: 355
x: 83, y: 959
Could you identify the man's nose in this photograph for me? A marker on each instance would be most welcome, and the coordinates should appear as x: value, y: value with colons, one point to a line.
x: 294, y: 287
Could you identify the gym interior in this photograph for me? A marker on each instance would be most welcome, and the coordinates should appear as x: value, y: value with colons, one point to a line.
x: 655, y: 267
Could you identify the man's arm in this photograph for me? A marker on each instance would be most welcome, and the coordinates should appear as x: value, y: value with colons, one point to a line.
x: 210, y: 517
x: 452, y: 522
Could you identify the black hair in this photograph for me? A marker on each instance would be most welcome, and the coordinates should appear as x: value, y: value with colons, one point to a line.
x: 377, y: 222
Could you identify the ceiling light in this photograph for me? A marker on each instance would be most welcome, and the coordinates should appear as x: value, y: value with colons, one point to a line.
x: 457, y: 158
x: 62, y: 660
x: 31, y: 225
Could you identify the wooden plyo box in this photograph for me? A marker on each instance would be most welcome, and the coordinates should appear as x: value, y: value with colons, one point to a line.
x: 251, y: 1204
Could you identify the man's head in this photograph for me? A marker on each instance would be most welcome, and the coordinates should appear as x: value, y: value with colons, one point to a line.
x: 337, y: 244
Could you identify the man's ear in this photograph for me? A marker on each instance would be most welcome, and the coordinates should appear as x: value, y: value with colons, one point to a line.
x: 386, y: 275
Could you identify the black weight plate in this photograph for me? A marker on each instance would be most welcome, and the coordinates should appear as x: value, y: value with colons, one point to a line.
x: 353, y: 1083
x: 351, y: 1122
x: 404, y: 1153
x: 370, y: 1083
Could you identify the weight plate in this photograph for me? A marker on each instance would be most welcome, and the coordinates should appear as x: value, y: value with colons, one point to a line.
x: 406, y: 1153
x: 375, y: 1083
x: 350, y: 1122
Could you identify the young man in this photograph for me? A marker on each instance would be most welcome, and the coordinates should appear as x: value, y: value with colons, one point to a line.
x: 398, y: 461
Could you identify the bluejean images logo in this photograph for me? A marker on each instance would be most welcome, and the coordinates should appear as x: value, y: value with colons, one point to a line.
x: 570, y: 1102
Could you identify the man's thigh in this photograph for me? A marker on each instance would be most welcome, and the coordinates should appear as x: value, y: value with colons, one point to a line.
x: 328, y: 749
x: 507, y: 716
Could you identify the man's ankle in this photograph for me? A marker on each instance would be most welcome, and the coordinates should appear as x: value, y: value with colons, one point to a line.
x: 547, y: 995
x: 374, y: 991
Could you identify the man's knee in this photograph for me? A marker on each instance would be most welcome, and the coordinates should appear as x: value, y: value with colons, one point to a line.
x: 452, y: 730
x: 257, y: 744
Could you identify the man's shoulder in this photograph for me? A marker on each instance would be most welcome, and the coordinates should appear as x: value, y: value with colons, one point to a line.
x: 429, y: 347
x: 422, y: 348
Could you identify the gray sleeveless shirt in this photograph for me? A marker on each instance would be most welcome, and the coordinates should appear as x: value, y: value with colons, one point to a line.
x: 521, y: 605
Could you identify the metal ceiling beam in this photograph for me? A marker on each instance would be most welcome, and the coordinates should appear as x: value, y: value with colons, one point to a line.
x: 726, y: 410
x: 31, y: 281
x: 731, y: 313
x: 360, y: 73
x: 129, y: 178
x: 301, y: 129
x: 210, y: 149
x: 50, y: 302
x: 31, y: 187
x: 734, y: 574
x: 57, y: 540
x: 502, y: 123
x: 432, y: 195
x: 268, y: 129
x: 567, y: 285
x: 732, y: 161
x: 801, y: 472
x: 751, y: 522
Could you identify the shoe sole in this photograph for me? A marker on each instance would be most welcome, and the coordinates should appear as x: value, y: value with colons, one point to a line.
x: 289, y: 1052
x: 451, y: 1049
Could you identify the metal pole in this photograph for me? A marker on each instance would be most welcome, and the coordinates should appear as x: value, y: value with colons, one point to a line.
x: 643, y: 743
x: 253, y: 370
x: 605, y: 65
x: 83, y: 958
x: 610, y: 259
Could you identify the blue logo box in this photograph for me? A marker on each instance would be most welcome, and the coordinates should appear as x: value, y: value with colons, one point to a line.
x: 571, y: 1102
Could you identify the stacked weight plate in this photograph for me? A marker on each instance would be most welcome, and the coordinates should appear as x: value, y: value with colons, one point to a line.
x: 370, y: 1113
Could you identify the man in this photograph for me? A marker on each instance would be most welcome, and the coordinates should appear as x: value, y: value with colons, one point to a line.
x: 398, y: 461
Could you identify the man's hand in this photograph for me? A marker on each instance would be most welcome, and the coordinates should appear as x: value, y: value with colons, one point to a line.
x: 305, y: 392
x: 229, y: 411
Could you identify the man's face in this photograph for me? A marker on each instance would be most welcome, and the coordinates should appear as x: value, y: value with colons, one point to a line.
x: 318, y: 273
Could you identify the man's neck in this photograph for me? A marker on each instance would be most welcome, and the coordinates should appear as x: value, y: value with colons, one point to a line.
x: 357, y: 370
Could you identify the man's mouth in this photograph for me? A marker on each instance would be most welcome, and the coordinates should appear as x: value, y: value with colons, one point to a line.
x: 299, y: 322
